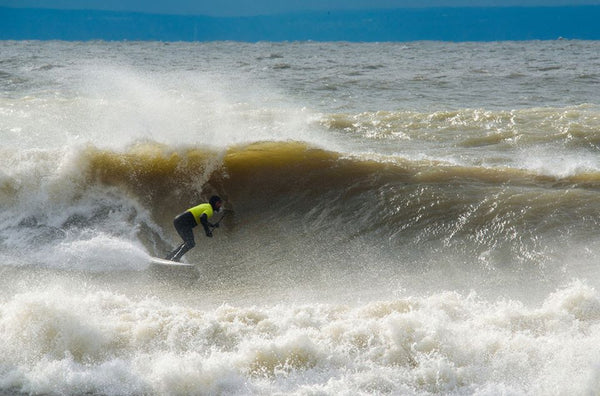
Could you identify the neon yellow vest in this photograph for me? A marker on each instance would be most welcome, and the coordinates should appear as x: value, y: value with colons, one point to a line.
x: 201, y: 209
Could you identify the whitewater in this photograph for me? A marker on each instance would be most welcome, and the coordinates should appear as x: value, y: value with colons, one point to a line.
x: 402, y: 218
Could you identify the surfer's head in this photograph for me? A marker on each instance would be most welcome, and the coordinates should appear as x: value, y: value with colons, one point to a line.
x: 215, y: 202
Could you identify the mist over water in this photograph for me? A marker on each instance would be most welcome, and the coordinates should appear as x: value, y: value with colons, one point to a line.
x: 415, y: 218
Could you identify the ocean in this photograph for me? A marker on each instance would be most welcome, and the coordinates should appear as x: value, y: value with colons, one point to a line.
x: 415, y: 218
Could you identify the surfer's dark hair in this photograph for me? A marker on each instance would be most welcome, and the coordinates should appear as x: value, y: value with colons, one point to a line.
x: 214, y: 199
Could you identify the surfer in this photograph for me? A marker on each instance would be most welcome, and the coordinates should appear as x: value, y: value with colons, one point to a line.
x: 186, y: 221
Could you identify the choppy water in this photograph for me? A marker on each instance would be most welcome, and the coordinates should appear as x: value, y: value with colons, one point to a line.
x: 415, y: 218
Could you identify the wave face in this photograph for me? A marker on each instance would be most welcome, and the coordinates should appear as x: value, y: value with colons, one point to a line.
x: 371, y: 244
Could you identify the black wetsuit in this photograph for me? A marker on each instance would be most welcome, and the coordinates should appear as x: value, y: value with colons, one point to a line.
x: 184, y: 224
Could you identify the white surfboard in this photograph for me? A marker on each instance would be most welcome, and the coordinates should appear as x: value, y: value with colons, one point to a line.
x: 172, y: 270
x: 155, y: 261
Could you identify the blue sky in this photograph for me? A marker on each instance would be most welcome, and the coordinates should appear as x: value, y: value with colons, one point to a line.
x: 266, y: 7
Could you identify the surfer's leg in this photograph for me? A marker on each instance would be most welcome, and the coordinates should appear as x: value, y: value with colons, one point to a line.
x: 173, y: 253
x: 183, y: 249
x: 184, y: 225
x: 188, y: 243
x: 176, y: 254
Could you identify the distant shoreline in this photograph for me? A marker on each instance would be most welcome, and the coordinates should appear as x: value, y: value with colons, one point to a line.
x: 401, y: 25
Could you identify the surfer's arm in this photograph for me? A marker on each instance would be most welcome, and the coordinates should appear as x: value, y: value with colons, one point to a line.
x: 205, y: 224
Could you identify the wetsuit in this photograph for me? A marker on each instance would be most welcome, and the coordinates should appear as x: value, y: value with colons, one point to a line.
x: 185, y: 223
